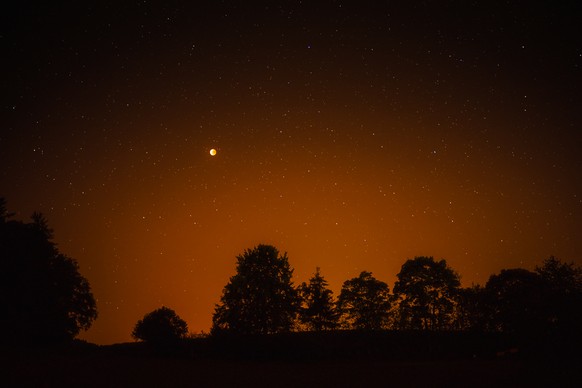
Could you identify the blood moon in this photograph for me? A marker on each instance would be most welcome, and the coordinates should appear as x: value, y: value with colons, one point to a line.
x: 212, y: 152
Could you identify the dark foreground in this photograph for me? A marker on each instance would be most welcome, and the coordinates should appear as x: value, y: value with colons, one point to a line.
x: 203, y: 364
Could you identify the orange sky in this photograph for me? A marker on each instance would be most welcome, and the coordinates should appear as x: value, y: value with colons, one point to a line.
x: 352, y: 138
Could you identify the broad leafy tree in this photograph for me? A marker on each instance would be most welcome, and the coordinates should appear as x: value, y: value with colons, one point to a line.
x: 558, y: 275
x: 161, y: 326
x: 472, y: 309
x: 562, y: 307
x: 516, y: 298
x: 318, y: 309
x: 365, y: 302
x: 260, y: 298
x: 43, y: 297
x: 562, y: 295
x: 426, y: 290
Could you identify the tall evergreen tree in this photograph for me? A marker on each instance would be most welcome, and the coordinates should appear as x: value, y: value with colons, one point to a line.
x: 4, y: 214
x: 318, y: 310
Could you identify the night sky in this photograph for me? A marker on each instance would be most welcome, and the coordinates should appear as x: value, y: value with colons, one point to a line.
x: 351, y: 136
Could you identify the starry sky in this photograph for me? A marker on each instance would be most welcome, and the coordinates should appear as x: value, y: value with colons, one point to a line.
x: 351, y: 135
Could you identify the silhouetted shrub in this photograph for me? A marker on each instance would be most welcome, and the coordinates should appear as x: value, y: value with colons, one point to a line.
x: 161, y: 326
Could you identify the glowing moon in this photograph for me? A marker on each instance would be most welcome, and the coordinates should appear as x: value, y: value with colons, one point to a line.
x: 212, y: 152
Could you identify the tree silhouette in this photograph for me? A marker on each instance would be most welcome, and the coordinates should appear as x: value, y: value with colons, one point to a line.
x: 161, y: 326
x: 260, y: 298
x: 516, y: 301
x: 4, y: 215
x: 562, y: 295
x: 426, y: 290
x: 472, y: 310
x: 364, y: 302
x: 318, y: 310
x: 42, y: 295
x: 561, y: 276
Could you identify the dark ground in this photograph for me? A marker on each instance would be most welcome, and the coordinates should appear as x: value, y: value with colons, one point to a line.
x: 201, y: 364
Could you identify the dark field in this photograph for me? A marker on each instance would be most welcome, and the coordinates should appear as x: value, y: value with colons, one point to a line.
x: 58, y: 371
x: 260, y: 362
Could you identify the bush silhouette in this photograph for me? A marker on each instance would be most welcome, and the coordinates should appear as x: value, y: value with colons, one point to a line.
x: 160, y: 326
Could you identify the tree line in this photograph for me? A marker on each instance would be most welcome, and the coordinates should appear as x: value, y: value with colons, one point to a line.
x: 43, y: 297
x: 427, y: 295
